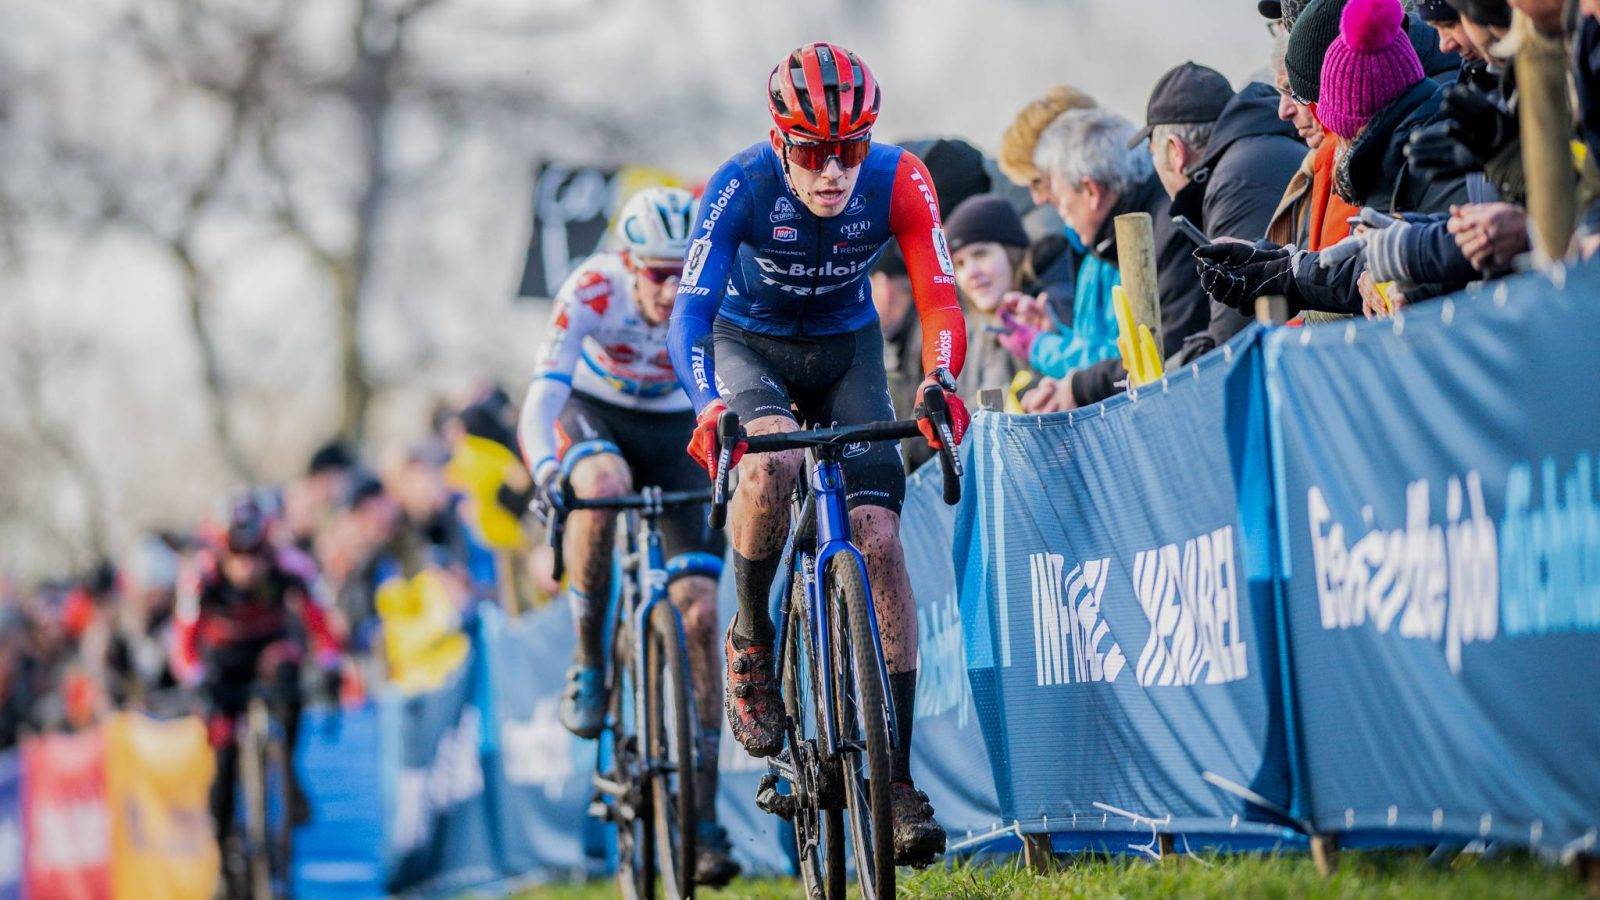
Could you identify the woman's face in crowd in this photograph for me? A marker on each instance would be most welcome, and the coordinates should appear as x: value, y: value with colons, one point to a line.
x: 983, y: 272
x: 1453, y: 39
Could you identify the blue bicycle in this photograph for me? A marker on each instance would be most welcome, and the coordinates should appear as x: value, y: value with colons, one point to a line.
x: 841, y: 728
x: 645, y: 774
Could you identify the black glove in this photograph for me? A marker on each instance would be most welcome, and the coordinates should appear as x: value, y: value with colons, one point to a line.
x: 1483, y: 127
x: 1235, y: 274
x: 1436, y: 152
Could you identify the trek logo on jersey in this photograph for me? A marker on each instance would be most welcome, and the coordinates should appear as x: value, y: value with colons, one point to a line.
x: 797, y: 270
x: 927, y: 195
x: 719, y: 205
x: 941, y: 249
x: 697, y: 366
x: 782, y: 211
x: 785, y: 233
x: 854, y: 230
x: 699, y: 249
x: 857, y: 205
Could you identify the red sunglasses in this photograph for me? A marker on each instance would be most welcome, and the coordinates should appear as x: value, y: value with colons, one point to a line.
x: 814, y: 157
x: 660, y: 274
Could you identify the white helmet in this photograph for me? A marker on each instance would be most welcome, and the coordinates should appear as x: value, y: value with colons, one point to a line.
x: 654, y: 223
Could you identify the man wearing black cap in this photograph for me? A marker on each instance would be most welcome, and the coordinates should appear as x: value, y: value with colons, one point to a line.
x: 1285, y: 11
x: 1225, y: 160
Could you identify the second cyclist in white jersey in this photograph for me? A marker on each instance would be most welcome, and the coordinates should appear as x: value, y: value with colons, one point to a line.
x: 606, y: 412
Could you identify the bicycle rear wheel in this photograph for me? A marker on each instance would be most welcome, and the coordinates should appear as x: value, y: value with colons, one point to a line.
x: 818, y: 829
x: 669, y: 724
x: 862, y: 721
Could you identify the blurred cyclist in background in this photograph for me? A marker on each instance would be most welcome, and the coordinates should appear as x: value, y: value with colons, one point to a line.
x: 605, y: 414
x: 242, y: 618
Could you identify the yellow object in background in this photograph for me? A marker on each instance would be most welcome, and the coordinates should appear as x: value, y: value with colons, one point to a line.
x: 158, y: 785
x: 479, y: 468
x: 422, y: 639
x: 1135, y: 342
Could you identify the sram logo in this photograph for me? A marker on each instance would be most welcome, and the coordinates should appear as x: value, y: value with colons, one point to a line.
x: 798, y: 270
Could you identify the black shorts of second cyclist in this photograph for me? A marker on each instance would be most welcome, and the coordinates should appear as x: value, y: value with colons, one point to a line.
x: 835, y: 379
x: 655, y: 447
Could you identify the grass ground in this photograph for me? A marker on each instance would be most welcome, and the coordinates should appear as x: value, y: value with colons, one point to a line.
x: 1370, y: 875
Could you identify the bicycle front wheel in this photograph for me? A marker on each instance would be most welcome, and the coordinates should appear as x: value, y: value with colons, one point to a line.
x: 632, y: 814
x: 819, y: 826
x: 669, y: 724
x: 861, y: 717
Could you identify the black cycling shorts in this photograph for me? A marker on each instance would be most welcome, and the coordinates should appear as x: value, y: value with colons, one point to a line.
x: 655, y: 447
x: 835, y: 379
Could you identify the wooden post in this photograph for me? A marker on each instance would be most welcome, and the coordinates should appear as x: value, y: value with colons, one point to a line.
x: 1325, y: 854
x: 1272, y: 310
x: 1546, y: 119
x: 1168, y: 849
x: 1136, y: 260
x: 1037, y: 853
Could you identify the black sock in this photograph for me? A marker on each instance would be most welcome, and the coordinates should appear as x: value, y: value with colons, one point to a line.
x: 903, y: 687
x: 753, y: 578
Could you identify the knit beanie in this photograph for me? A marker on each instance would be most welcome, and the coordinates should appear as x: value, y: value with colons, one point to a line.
x: 1368, y: 67
x: 1489, y: 13
x: 1437, y: 11
x: 1314, y: 32
x: 982, y: 219
x: 1022, y: 135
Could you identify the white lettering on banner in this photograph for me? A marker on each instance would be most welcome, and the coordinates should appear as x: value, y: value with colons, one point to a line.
x: 538, y: 751
x: 1067, y: 628
x: 1550, y: 550
x: 454, y: 776
x: 71, y: 835
x: 1190, y: 595
x: 1440, y: 584
x: 942, y: 683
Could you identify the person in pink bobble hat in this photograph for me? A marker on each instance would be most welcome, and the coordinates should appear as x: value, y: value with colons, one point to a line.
x: 1374, y: 95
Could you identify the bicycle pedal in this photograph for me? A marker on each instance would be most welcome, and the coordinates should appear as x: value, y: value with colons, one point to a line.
x: 769, y: 801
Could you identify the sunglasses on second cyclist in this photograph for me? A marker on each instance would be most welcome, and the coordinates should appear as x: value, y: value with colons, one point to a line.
x: 814, y: 156
x: 659, y: 274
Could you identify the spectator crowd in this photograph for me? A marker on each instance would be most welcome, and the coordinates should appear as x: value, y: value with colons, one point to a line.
x: 1375, y: 162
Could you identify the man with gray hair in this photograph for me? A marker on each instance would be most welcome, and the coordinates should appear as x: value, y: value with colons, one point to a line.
x: 1094, y: 177
x: 1225, y: 159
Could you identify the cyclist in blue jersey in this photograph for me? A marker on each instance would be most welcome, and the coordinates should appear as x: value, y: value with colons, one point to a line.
x: 774, y: 317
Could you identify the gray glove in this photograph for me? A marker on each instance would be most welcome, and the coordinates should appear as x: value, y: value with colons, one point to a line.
x: 1387, y: 254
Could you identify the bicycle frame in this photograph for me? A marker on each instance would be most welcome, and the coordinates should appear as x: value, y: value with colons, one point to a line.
x: 826, y: 480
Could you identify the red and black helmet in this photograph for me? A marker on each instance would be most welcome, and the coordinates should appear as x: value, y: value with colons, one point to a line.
x: 823, y: 92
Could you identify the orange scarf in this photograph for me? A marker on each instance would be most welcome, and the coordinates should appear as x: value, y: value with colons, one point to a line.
x: 1330, y: 215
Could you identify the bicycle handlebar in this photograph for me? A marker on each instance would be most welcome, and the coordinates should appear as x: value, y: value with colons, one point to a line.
x: 651, y: 499
x: 730, y: 432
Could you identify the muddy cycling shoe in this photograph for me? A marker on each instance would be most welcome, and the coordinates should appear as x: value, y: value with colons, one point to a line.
x: 714, y: 865
x: 918, y: 839
x: 755, y: 711
x: 583, y: 704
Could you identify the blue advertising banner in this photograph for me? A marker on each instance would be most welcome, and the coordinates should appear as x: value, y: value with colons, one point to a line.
x: 340, y: 852
x: 948, y: 759
x: 1439, y: 549
x: 440, y: 834
x: 1125, y: 675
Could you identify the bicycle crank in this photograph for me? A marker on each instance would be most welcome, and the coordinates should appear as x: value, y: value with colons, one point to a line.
x: 768, y: 800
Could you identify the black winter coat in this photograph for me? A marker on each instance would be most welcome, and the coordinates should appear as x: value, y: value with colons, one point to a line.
x: 1235, y: 189
x: 1374, y: 172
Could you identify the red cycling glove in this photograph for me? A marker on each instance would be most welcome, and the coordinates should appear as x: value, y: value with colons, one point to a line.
x: 959, y: 417
x: 703, y: 445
